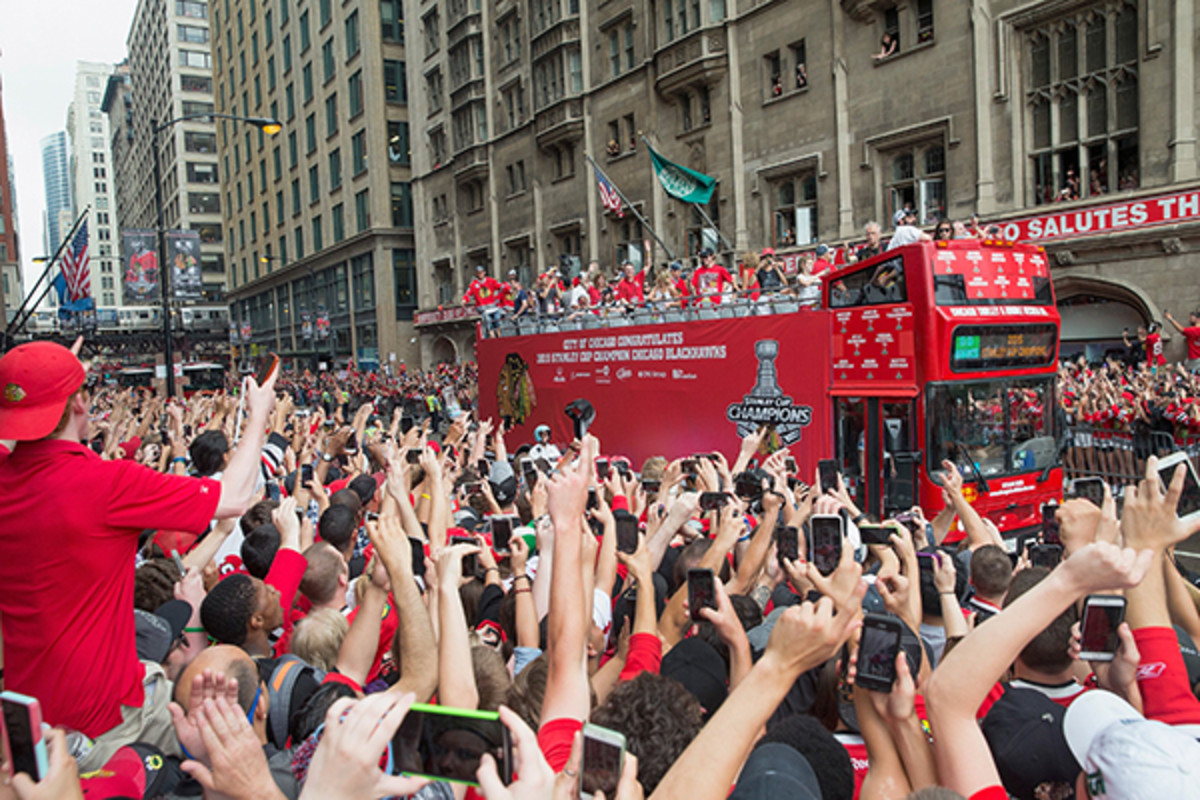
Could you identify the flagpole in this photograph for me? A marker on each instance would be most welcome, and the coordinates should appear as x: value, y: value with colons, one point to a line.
x: 698, y: 207
x: 630, y: 206
x: 17, y: 322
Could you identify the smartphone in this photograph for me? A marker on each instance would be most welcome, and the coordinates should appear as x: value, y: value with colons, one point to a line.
x: 446, y: 744
x: 1090, y: 489
x: 787, y: 543
x: 702, y: 592
x: 24, y: 745
x: 877, y: 651
x: 502, y: 527
x: 789, y: 464
x: 473, y: 487
x: 688, y: 465
x: 406, y: 424
x: 1045, y: 555
x: 413, y: 455
x: 876, y: 534
x: 1050, y: 524
x: 1102, y: 615
x: 627, y: 534
x: 266, y: 367
x: 748, y: 485
x: 827, y: 533
x: 470, y: 563
x: 352, y: 444
x: 603, y: 761
x: 828, y: 473
x: 1189, y: 502
x: 371, y: 516
x: 602, y: 469
x: 306, y: 474
x: 529, y: 471
x: 651, y: 487
x: 713, y: 501
x: 623, y: 470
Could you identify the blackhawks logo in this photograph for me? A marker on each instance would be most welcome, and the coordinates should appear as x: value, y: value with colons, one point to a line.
x: 14, y: 393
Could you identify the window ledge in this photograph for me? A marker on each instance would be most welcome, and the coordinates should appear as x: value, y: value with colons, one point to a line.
x: 770, y: 101
x: 694, y: 129
x: 879, y: 62
x: 623, y: 154
x: 563, y: 178
x: 515, y: 195
x: 355, y: 116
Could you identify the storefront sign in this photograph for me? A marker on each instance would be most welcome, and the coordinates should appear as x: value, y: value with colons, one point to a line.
x: 1146, y: 212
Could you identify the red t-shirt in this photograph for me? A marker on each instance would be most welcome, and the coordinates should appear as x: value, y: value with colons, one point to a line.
x: 630, y: 291
x: 1192, y: 334
x: 287, y: 570
x: 856, y: 748
x: 388, y: 625
x: 709, y: 282
x: 67, y: 548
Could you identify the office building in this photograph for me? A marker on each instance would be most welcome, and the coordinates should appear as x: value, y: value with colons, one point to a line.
x: 92, y: 181
x: 11, y: 285
x: 812, y: 128
x: 56, y: 180
x: 318, y: 218
x: 170, y: 77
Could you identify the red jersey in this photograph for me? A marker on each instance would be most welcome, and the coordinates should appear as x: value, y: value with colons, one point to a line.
x: 67, y: 549
x: 630, y: 291
x: 709, y: 283
x: 1192, y: 334
x: 1154, y: 350
x: 483, y: 292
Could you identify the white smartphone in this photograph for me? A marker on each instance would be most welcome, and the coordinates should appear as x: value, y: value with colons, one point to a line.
x: 24, y: 745
x: 1189, y: 502
x: 1102, y: 615
x: 603, y: 761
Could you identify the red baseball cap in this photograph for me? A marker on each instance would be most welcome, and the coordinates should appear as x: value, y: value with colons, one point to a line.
x: 36, y: 379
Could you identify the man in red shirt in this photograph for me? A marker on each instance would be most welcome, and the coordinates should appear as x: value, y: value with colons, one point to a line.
x: 680, y: 283
x: 629, y: 288
x: 711, y: 280
x: 1192, y: 334
x: 66, y: 602
x: 484, y: 292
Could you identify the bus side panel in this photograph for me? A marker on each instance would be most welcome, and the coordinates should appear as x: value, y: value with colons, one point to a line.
x: 672, y: 388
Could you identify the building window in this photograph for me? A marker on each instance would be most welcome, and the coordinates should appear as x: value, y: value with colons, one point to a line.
x: 515, y: 173
x: 326, y: 11
x: 916, y: 179
x: 891, y: 28
x: 194, y: 58
x: 356, y: 94
x: 277, y: 163
x: 514, y: 105
x: 1082, y: 106
x: 318, y: 235
x: 471, y: 196
x: 287, y: 54
x: 614, y: 51
x: 394, y: 82
x: 314, y: 184
x: 352, y: 41
x: 335, y: 169
x: 192, y: 34
x: 924, y: 20
x: 295, y: 197
x: 627, y: 45
x: 630, y: 244
x: 773, y: 74
x: 398, y: 147
x: 404, y: 274
x: 327, y: 61
x: 305, y: 39
x: 432, y: 34
x: 339, y: 223
x: 564, y: 160
x: 187, y: 8
x: 794, y: 212
x: 306, y: 83
x: 331, y: 115
x: 391, y: 15
x: 271, y: 74
x: 510, y: 38
x: 433, y: 90
x: 289, y: 101
x: 362, y: 279
x: 575, y: 70
x: 298, y: 234
x: 292, y: 149
x: 358, y: 148
x: 402, y: 211
x: 279, y: 207
x: 362, y: 211
x: 201, y: 172
x: 310, y: 134
x: 799, y: 65
x: 437, y: 147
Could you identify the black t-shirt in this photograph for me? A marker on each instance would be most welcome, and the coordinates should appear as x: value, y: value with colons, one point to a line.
x: 769, y: 279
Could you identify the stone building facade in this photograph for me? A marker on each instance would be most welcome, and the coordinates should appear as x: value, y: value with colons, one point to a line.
x: 812, y: 127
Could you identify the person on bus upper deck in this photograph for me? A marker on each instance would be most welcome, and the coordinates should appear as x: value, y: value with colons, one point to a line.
x: 1192, y: 334
x: 711, y: 280
x: 629, y: 288
x: 874, y: 245
x: 824, y: 260
x: 907, y: 232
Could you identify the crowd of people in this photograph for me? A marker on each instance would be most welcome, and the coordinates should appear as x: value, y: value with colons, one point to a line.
x: 595, y: 291
x: 244, y: 595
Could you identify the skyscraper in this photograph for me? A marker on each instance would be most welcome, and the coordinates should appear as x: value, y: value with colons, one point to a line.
x: 10, y: 258
x: 56, y: 176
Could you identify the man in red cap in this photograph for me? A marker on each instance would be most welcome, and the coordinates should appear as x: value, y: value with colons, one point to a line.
x: 67, y: 545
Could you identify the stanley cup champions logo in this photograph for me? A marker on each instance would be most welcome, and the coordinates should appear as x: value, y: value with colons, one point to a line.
x: 766, y: 404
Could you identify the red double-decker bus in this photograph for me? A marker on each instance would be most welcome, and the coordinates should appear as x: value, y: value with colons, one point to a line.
x: 947, y: 351
x: 932, y: 351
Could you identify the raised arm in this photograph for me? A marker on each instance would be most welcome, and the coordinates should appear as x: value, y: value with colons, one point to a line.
x: 415, y: 639
x: 456, y: 686
x: 240, y: 479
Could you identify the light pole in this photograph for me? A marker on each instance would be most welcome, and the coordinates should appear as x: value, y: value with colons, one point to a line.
x: 267, y: 126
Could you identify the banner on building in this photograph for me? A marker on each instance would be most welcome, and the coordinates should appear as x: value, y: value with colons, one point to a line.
x: 697, y: 386
x: 139, y: 259
x: 1056, y: 223
x: 306, y: 325
x: 183, y: 253
x: 322, y: 324
x: 680, y: 182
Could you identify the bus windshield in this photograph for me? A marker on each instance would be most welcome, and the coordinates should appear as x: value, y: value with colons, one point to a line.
x: 1004, y: 426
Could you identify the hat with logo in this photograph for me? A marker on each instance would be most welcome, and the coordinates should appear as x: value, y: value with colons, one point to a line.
x: 1124, y: 755
x: 36, y: 379
x: 1024, y: 729
x: 136, y: 770
x: 155, y: 633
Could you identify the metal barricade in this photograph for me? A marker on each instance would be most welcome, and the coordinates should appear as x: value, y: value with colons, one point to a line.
x: 1119, y: 457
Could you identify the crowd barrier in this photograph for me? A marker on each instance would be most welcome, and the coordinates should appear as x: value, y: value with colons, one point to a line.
x: 1119, y: 457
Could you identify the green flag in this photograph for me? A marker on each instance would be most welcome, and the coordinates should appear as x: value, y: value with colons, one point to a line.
x: 680, y: 182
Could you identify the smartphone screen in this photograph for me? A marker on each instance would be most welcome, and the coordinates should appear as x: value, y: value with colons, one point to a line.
x: 877, y: 651
x: 1045, y: 555
x: 702, y: 593
x: 602, y: 471
x: 473, y: 487
x: 689, y: 465
x: 712, y: 501
x: 1102, y: 615
x: 501, y: 533
x: 826, y: 542
x: 1050, y: 524
x: 787, y: 543
x: 447, y: 744
x: 603, y: 758
x: 306, y: 473
x: 1189, y: 501
x: 827, y: 470
x: 651, y: 487
x: 1090, y: 489
x: 413, y: 456
x: 22, y: 743
x: 470, y: 563
x: 627, y: 534
x: 529, y: 471
x: 789, y: 464
x: 593, y: 500
x: 406, y: 424
x: 875, y: 534
x: 748, y: 485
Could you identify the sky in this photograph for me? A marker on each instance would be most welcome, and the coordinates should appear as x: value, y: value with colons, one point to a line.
x: 39, y: 45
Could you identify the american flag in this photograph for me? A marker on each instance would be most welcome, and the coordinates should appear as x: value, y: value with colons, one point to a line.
x: 75, y: 266
x: 608, y: 194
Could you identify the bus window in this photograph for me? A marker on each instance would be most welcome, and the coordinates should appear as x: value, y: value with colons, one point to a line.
x: 878, y: 285
x: 851, y: 424
x: 899, y: 469
x: 1002, y: 427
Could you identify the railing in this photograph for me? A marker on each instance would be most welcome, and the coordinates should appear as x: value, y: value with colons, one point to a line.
x: 1119, y: 457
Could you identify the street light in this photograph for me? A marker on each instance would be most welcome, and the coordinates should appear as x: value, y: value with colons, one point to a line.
x: 264, y: 124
